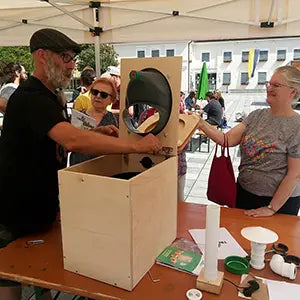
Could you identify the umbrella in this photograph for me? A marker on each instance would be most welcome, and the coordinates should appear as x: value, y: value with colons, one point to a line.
x: 203, y: 83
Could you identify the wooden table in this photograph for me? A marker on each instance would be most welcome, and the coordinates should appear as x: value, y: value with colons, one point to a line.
x: 42, y: 265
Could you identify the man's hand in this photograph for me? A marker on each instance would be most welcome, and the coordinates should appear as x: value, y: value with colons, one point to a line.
x: 260, y: 212
x: 149, y: 143
x: 110, y: 130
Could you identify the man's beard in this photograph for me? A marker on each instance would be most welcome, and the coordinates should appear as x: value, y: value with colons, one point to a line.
x: 55, y: 76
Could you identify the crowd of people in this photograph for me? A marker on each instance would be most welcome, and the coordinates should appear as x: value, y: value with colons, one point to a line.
x: 37, y: 136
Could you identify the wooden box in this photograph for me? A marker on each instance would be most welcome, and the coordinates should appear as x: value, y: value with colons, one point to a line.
x: 113, y: 229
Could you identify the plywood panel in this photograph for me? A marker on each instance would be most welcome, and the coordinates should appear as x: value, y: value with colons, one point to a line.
x: 96, y: 227
x: 154, y: 214
x: 104, y: 165
x: 170, y: 67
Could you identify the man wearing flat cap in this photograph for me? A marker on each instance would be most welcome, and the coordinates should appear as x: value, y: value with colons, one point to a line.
x: 36, y: 132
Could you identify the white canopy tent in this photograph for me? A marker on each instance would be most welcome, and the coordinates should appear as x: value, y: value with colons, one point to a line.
x: 123, y: 21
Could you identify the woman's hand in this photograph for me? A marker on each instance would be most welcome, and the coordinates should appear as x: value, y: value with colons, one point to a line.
x: 260, y: 212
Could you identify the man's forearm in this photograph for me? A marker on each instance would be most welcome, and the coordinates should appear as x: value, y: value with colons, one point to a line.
x: 96, y: 143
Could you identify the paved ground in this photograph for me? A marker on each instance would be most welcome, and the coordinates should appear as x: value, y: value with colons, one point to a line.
x: 199, y: 163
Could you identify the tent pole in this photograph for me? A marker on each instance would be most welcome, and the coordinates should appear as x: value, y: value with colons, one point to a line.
x: 271, y: 12
x: 97, y: 42
x: 97, y: 56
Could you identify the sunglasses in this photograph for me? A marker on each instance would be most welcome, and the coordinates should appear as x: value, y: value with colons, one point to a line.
x: 103, y: 95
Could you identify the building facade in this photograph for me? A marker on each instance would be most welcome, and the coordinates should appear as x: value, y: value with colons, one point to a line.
x: 227, y: 61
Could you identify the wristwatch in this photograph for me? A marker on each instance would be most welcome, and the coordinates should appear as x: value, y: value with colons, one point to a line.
x: 271, y: 207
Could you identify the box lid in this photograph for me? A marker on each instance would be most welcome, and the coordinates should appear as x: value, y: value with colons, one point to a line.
x: 149, y: 101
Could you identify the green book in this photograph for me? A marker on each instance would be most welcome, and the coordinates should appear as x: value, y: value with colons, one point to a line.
x: 182, y: 260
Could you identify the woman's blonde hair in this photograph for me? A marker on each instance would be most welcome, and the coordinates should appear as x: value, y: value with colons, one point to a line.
x: 108, y: 81
x: 218, y: 93
x: 292, y: 77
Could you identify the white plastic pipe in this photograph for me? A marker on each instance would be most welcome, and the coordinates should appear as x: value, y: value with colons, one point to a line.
x: 282, y: 268
x: 257, y: 255
x: 212, y: 233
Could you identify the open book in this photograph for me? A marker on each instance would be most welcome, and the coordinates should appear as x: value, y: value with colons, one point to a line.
x: 81, y: 120
x: 182, y: 256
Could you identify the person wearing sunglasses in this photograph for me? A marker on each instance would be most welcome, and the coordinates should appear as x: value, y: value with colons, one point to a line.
x: 269, y: 139
x: 36, y: 137
x: 102, y: 93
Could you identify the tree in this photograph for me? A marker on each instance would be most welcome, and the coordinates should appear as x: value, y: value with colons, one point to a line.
x: 19, y: 54
x: 108, y: 57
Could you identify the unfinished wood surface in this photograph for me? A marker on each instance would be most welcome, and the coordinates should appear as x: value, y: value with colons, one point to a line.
x: 187, y: 126
x: 154, y: 214
x: 106, y: 165
x: 101, y: 215
x: 170, y: 67
x: 42, y: 265
x: 149, y: 123
x: 132, y: 162
x: 96, y: 227
x: 211, y: 286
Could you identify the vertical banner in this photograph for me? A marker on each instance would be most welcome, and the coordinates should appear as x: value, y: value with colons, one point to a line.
x: 252, y: 61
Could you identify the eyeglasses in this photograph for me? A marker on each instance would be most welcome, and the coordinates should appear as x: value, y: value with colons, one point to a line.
x: 103, y: 95
x: 67, y: 57
x: 276, y: 85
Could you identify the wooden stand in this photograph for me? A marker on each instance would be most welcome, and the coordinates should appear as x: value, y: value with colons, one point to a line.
x: 214, y: 286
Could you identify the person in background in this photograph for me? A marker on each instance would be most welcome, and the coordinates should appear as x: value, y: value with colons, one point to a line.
x: 182, y: 164
x: 103, y: 93
x: 269, y: 139
x: 83, y: 101
x: 190, y: 100
x: 35, y: 139
x: 13, y: 75
x: 116, y: 77
x: 218, y: 96
x: 213, y: 109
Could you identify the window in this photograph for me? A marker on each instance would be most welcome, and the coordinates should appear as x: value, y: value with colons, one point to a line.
x: 226, y: 78
x: 155, y: 53
x: 263, y: 55
x: 227, y: 56
x: 244, y: 78
x: 245, y: 56
x: 296, y: 54
x: 281, y: 55
x: 170, y: 52
x: 205, y: 56
x: 262, y: 77
x: 141, y: 53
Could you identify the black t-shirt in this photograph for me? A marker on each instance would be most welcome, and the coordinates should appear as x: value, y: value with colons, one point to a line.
x: 221, y: 100
x: 29, y: 159
x: 214, y: 112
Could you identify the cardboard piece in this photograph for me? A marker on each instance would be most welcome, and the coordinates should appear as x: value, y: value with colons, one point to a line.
x: 262, y: 293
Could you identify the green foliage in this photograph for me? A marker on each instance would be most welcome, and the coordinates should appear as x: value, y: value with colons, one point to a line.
x: 19, y: 54
x: 108, y: 57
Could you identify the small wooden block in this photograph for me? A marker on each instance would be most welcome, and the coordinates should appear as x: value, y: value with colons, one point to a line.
x: 211, y: 286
